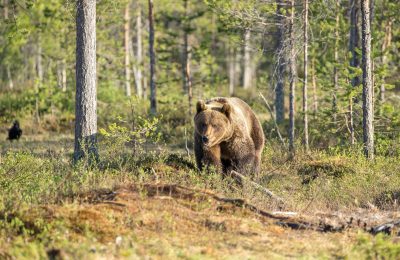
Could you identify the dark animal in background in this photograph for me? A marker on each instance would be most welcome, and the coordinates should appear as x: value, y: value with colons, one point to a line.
x: 14, y: 133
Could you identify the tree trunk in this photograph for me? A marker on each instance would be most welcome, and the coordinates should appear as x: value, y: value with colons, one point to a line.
x: 354, y: 62
x: 247, y: 74
x: 336, y: 61
x: 292, y: 61
x: 9, y: 77
x: 5, y: 9
x: 127, y: 29
x: 139, y: 54
x: 238, y: 65
x: 280, y: 85
x: 386, y: 43
x: 305, y: 91
x: 153, y: 99
x: 231, y: 70
x: 354, y: 39
x: 62, y: 75
x: 368, y: 112
x: 351, y: 126
x: 314, y: 86
x: 39, y: 77
x: 86, y: 100
x: 187, y: 80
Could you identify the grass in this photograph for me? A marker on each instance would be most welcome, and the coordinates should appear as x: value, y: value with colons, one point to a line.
x: 122, y: 209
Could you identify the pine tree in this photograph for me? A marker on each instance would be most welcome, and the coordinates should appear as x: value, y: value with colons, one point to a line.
x: 368, y: 107
x: 85, y: 107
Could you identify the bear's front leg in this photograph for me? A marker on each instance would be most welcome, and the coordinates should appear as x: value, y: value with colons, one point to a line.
x: 248, y: 165
x: 212, y: 156
x: 207, y: 155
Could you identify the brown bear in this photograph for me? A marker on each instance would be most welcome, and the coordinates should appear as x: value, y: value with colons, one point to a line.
x: 227, y: 135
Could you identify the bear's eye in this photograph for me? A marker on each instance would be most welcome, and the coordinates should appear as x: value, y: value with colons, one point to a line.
x: 215, y: 126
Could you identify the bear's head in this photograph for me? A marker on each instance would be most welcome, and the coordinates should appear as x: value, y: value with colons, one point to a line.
x: 212, y: 122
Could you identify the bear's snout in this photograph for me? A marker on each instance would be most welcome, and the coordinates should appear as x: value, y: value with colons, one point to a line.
x: 204, y: 139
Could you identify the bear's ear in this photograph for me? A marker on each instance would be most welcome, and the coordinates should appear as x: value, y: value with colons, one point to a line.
x: 200, y: 106
x: 226, y: 109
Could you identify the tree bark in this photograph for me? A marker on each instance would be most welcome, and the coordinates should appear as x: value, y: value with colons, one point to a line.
x: 292, y: 88
x: 86, y: 100
x: 280, y: 85
x: 314, y: 86
x: 139, y: 54
x: 386, y: 44
x: 231, y: 70
x: 62, y: 75
x: 354, y: 42
x: 354, y: 62
x: 5, y: 9
x: 336, y: 61
x: 9, y: 78
x: 247, y: 74
x: 305, y: 90
x: 39, y: 77
x: 127, y: 29
x: 153, y: 98
x: 368, y: 110
x: 187, y: 79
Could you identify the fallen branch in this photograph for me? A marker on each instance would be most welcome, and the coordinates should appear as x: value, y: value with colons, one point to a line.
x: 273, y: 118
x: 386, y: 228
x: 257, y: 186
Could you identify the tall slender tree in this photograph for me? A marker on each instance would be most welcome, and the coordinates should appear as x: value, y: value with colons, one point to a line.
x: 187, y: 78
x: 385, y: 45
x: 153, y: 93
x: 139, y: 53
x: 305, y: 90
x: 127, y: 28
x: 86, y: 101
x: 354, y: 61
x: 247, y: 68
x: 335, y: 66
x: 279, y: 88
x: 292, y: 78
x: 231, y: 69
x: 368, y: 107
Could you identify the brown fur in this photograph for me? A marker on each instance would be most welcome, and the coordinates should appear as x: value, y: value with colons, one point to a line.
x: 235, y: 136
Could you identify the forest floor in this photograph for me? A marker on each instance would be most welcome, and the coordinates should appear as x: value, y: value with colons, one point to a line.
x: 175, y: 214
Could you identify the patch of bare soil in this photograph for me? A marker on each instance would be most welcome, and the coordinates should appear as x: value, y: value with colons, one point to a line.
x: 169, y: 220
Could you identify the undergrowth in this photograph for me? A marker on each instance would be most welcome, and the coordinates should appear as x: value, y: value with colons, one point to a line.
x: 38, y: 186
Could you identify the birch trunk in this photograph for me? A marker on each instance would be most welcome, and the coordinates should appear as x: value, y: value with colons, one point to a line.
x: 39, y: 77
x: 279, y: 89
x: 386, y: 43
x: 336, y: 61
x: 62, y: 75
x: 139, y: 54
x: 247, y: 74
x: 153, y: 98
x: 9, y: 78
x: 5, y: 9
x: 187, y: 80
x: 314, y: 86
x: 231, y: 70
x: 86, y: 100
x: 305, y: 90
x: 127, y: 28
x: 292, y: 61
x: 368, y: 112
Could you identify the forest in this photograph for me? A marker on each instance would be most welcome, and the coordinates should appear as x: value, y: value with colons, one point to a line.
x: 99, y: 129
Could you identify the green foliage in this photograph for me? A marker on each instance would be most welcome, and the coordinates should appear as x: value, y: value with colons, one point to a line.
x: 379, y: 247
